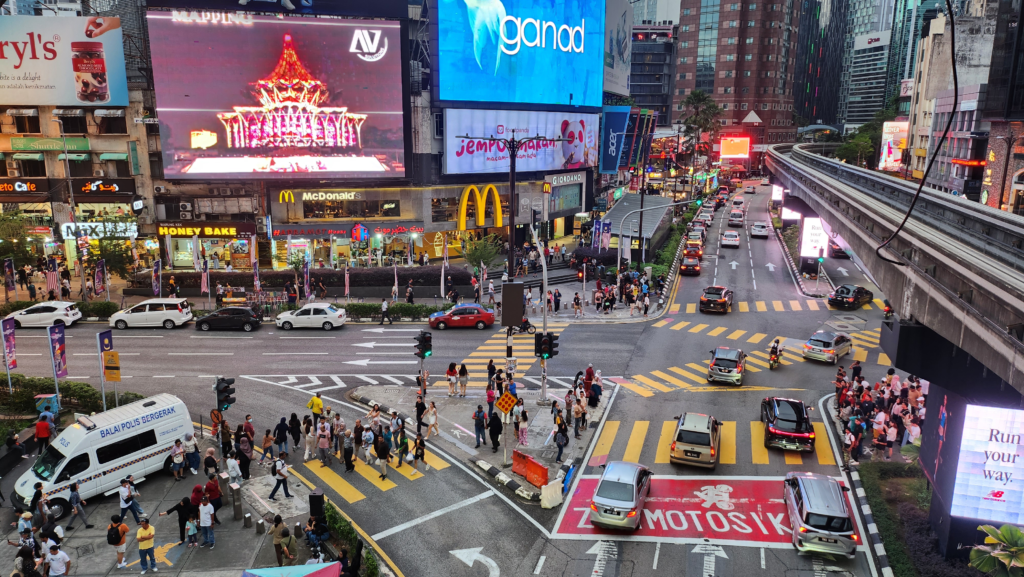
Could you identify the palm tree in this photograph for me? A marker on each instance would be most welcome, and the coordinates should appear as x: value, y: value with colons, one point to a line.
x: 1002, y: 555
x: 703, y: 118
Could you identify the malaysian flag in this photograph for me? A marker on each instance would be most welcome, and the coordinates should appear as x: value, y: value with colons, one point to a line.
x: 205, y: 286
x: 52, y: 277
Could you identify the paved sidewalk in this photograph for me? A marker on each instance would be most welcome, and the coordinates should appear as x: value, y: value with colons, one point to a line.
x: 237, y: 547
x: 565, y: 313
x: 458, y: 432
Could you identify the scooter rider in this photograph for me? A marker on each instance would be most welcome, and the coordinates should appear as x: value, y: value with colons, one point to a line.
x: 775, y: 348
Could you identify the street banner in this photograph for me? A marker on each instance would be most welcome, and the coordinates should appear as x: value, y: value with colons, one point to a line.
x: 58, y: 351
x: 10, y: 356
x: 346, y: 280
x: 606, y: 234
x: 204, y: 286
x: 170, y: 249
x: 613, y: 135
x: 195, y: 252
x: 111, y: 367
x: 394, y: 297
x: 156, y: 278
x: 254, y: 260
x: 100, y: 282
x: 9, y: 274
x: 305, y: 274
x: 106, y: 341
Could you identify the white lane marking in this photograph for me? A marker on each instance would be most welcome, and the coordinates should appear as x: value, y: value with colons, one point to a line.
x: 289, y: 354
x: 221, y: 337
x: 30, y: 354
x: 307, y: 337
x: 762, y: 557
x: 120, y: 336
x: 369, y: 380
x: 429, y: 516
x: 70, y: 377
x: 163, y: 376
x: 657, y: 553
x: 605, y: 551
x: 201, y: 354
x: 83, y: 354
x: 540, y: 565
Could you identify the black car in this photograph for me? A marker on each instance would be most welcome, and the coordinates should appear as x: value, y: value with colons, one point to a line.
x: 836, y: 251
x: 690, y: 266
x: 787, y: 424
x: 230, y: 318
x: 850, y: 296
x: 716, y: 298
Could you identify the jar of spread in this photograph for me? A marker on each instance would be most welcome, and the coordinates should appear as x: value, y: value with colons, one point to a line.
x: 90, y: 66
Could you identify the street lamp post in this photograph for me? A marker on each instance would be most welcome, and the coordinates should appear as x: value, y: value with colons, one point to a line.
x: 71, y: 198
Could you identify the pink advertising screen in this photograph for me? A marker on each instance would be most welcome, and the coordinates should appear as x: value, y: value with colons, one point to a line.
x: 245, y: 96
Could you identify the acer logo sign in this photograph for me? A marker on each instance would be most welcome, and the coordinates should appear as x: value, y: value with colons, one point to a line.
x: 367, y: 46
x: 873, y: 40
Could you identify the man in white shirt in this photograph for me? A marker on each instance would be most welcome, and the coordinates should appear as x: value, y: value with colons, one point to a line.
x: 206, y: 522
x: 879, y: 425
x: 234, y: 470
x: 125, y: 493
x: 57, y: 561
x: 281, y: 476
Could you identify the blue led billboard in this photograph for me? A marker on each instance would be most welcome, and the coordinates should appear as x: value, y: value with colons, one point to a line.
x: 521, y: 51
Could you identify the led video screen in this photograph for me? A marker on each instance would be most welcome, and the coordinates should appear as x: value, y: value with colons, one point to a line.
x: 991, y: 465
x: 278, y: 97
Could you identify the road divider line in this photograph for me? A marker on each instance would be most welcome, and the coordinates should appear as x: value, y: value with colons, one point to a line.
x: 318, y: 337
x: 653, y: 384
x: 758, y: 452
x: 194, y: 337
x: 822, y: 447
x: 744, y: 307
x: 636, y: 441
x: 668, y: 434
x: 433, y: 515
x: 727, y: 450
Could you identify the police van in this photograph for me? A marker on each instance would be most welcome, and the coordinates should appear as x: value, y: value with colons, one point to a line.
x: 99, y: 450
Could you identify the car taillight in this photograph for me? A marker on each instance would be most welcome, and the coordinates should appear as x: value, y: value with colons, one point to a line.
x: 849, y: 300
x: 721, y: 300
x: 593, y: 506
x: 696, y: 268
x: 632, y: 513
x: 803, y: 529
x: 712, y: 452
x: 807, y: 346
x: 179, y: 308
x: 831, y: 295
x: 811, y: 436
x: 673, y: 447
x: 702, y: 252
x: 739, y: 368
x: 854, y: 536
x: 829, y: 351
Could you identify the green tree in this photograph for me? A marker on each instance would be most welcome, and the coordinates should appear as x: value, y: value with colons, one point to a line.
x: 800, y: 120
x: 857, y: 150
x: 13, y: 239
x: 1002, y: 554
x: 486, y: 250
x: 116, y: 254
x: 703, y: 119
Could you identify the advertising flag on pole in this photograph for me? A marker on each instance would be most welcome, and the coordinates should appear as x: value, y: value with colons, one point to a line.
x: 346, y: 280
x: 170, y: 249
x: 444, y: 250
x: 483, y: 267
x: 195, y: 252
x: 106, y: 341
x: 442, y: 280
x: 58, y: 352
x: 10, y: 356
x: 9, y: 274
x: 100, y: 281
x: 52, y: 277
x: 394, y: 296
x: 606, y: 234
x: 305, y: 273
x: 254, y: 260
x: 204, y: 286
x: 156, y: 278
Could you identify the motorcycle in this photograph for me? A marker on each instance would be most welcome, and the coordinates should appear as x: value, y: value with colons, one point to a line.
x: 887, y: 310
x: 773, y: 362
x: 525, y: 328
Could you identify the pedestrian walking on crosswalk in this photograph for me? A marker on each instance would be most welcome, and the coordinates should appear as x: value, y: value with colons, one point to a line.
x: 401, y: 446
x: 323, y: 444
x: 367, y: 445
x: 431, y: 419
x: 383, y: 450
x: 419, y: 451
x: 348, y: 447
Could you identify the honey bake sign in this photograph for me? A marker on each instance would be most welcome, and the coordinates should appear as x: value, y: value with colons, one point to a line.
x: 62, y: 61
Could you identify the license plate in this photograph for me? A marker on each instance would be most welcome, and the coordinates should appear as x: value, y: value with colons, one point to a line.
x: 692, y: 454
x: 611, y: 512
x: 827, y: 540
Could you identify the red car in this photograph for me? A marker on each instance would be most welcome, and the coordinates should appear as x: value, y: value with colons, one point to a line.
x: 465, y: 315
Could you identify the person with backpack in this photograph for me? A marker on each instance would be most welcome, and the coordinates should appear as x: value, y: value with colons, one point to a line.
x: 281, y: 435
x: 117, y: 533
x: 480, y: 425
x: 279, y: 471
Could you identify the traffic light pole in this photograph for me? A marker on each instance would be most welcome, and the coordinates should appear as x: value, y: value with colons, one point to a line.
x: 543, y: 400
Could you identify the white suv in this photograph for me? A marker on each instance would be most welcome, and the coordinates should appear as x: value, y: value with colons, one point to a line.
x: 47, y: 314
x: 759, y: 230
x: 167, y: 313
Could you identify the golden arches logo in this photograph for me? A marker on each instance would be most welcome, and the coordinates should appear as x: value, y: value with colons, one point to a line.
x: 286, y: 196
x: 481, y: 205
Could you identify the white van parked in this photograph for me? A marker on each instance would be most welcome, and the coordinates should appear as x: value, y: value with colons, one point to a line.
x: 166, y: 313
x: 100, y: 450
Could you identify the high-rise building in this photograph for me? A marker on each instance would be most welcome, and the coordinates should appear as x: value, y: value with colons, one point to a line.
x: 819, y: 54
x: 743, y: 54
x: 907, y: 20
x: 863, y: 17
x: 661, y: 12
x: 865, y: 94
x: 653, y: 69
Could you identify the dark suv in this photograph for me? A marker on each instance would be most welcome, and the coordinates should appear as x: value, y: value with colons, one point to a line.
x: 787, y: 424
x: 716, y: 298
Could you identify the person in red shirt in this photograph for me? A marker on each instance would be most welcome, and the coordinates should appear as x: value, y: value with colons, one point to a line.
x: 43, y: 433
x: 212, y: 490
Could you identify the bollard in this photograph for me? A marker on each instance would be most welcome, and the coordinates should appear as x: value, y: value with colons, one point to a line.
x: 223, y: 482
x: 261, y: 527
x: 236, y: 500
x: 247, y: 522
x: 298, y: 530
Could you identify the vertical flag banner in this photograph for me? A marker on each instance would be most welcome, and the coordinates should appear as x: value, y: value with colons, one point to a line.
x: 396, y: 281
x: 58, y: 352
x: 195, y: 252
x: 595, y: 234
x: 100, y: 281
x: 254, y: 260
x: 346, y: 280
x: 170, y: 250
x: 204, y: 287
x: 444, y: 254
x: 606, y: 234
x: 106, y: 341
x: 9, y: 273
x: 484, y: 277
x: 9, y: 351
x: 52, y: 277
x: 305, y: 273
x: 156, y: 278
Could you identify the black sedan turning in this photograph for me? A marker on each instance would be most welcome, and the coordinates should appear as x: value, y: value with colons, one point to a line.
x: 716, y: 298
x: 836, y: 251
x: 850, y: 296
x: 690, y: 266
x: 230, y: 318
x: 787, y: 424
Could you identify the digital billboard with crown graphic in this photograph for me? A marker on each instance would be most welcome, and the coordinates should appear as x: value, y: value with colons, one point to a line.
x: 278, y: 97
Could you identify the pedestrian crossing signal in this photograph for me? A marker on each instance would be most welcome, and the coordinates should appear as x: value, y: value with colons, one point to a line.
x: 224, y: 392
x: 545, y: 345
x: 579, y: 275
x: 699, y: 202
x: 424, y: 344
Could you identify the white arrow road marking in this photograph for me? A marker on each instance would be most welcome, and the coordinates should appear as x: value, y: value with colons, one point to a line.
x: 771, y: 267
x: 710, y: 552
x: 470, y: 556
x: 734, y: 264
x: 606, y: 551
x: 373, y: 344
x: 843, y: 270
x: 364, y: 362
x: 391, y: 330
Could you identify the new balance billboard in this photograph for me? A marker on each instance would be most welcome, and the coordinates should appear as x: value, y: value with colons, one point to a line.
x: 374, y: 9
x: 521, y: 51
x: 473, y: 155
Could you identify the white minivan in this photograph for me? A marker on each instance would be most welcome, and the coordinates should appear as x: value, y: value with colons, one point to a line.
x: 100, y: 450
x: 166, y: 313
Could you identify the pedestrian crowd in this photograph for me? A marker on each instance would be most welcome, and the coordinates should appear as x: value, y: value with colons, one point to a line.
x: 878, y: 418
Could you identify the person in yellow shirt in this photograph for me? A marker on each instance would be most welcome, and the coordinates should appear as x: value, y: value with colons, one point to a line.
x: 316, y: 405
x: 145, y: 538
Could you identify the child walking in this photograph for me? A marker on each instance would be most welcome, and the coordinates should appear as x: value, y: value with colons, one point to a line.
x: 192, y: 531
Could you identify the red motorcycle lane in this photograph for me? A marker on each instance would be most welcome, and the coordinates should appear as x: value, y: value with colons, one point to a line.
x: 697, y: 508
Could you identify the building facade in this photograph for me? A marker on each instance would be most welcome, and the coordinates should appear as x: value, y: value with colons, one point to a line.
x: 908, y: 18
x: 744, y: 56
x: 923, y: 92
x: 863, y: 17
x: 819, y: 54
x: 866, y: 91
x: 652, y: 78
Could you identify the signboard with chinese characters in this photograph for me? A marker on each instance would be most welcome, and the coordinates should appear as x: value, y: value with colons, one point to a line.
x: 100, y: 230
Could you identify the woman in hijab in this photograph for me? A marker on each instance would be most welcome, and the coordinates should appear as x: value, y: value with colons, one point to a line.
x: 295, y: 429
x: 595, y: 390
x: 197, y: 496
x: 210, y: 462
x: 184, y: 509
x: 191, y: 452
x: 244, y: 456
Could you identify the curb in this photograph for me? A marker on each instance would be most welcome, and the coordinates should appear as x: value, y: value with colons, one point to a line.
x: 877, y: 549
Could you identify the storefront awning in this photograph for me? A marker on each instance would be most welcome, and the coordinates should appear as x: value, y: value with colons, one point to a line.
x: 108, y: 112
x: 28, y: 156
x: 22, y: 112
x: 68, y: 112
x: 78, y: 157
x: 114, y: 156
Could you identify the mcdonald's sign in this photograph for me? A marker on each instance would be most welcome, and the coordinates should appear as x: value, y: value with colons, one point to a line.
x: 481, y: 205
x: 286, y: 196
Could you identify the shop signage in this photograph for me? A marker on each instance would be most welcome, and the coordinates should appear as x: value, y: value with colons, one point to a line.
x: 103, y: 185
x: 25, y: 185
x: 219, y: 230
x: 39, y: 230
x: 313, y: 230
x: 490, y: 191
x: 562, y: 179
x: 324, y: 230
x: 377, y: 9
x: 289, y: 196
x: 99, y: 230
x: 38, y: 144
